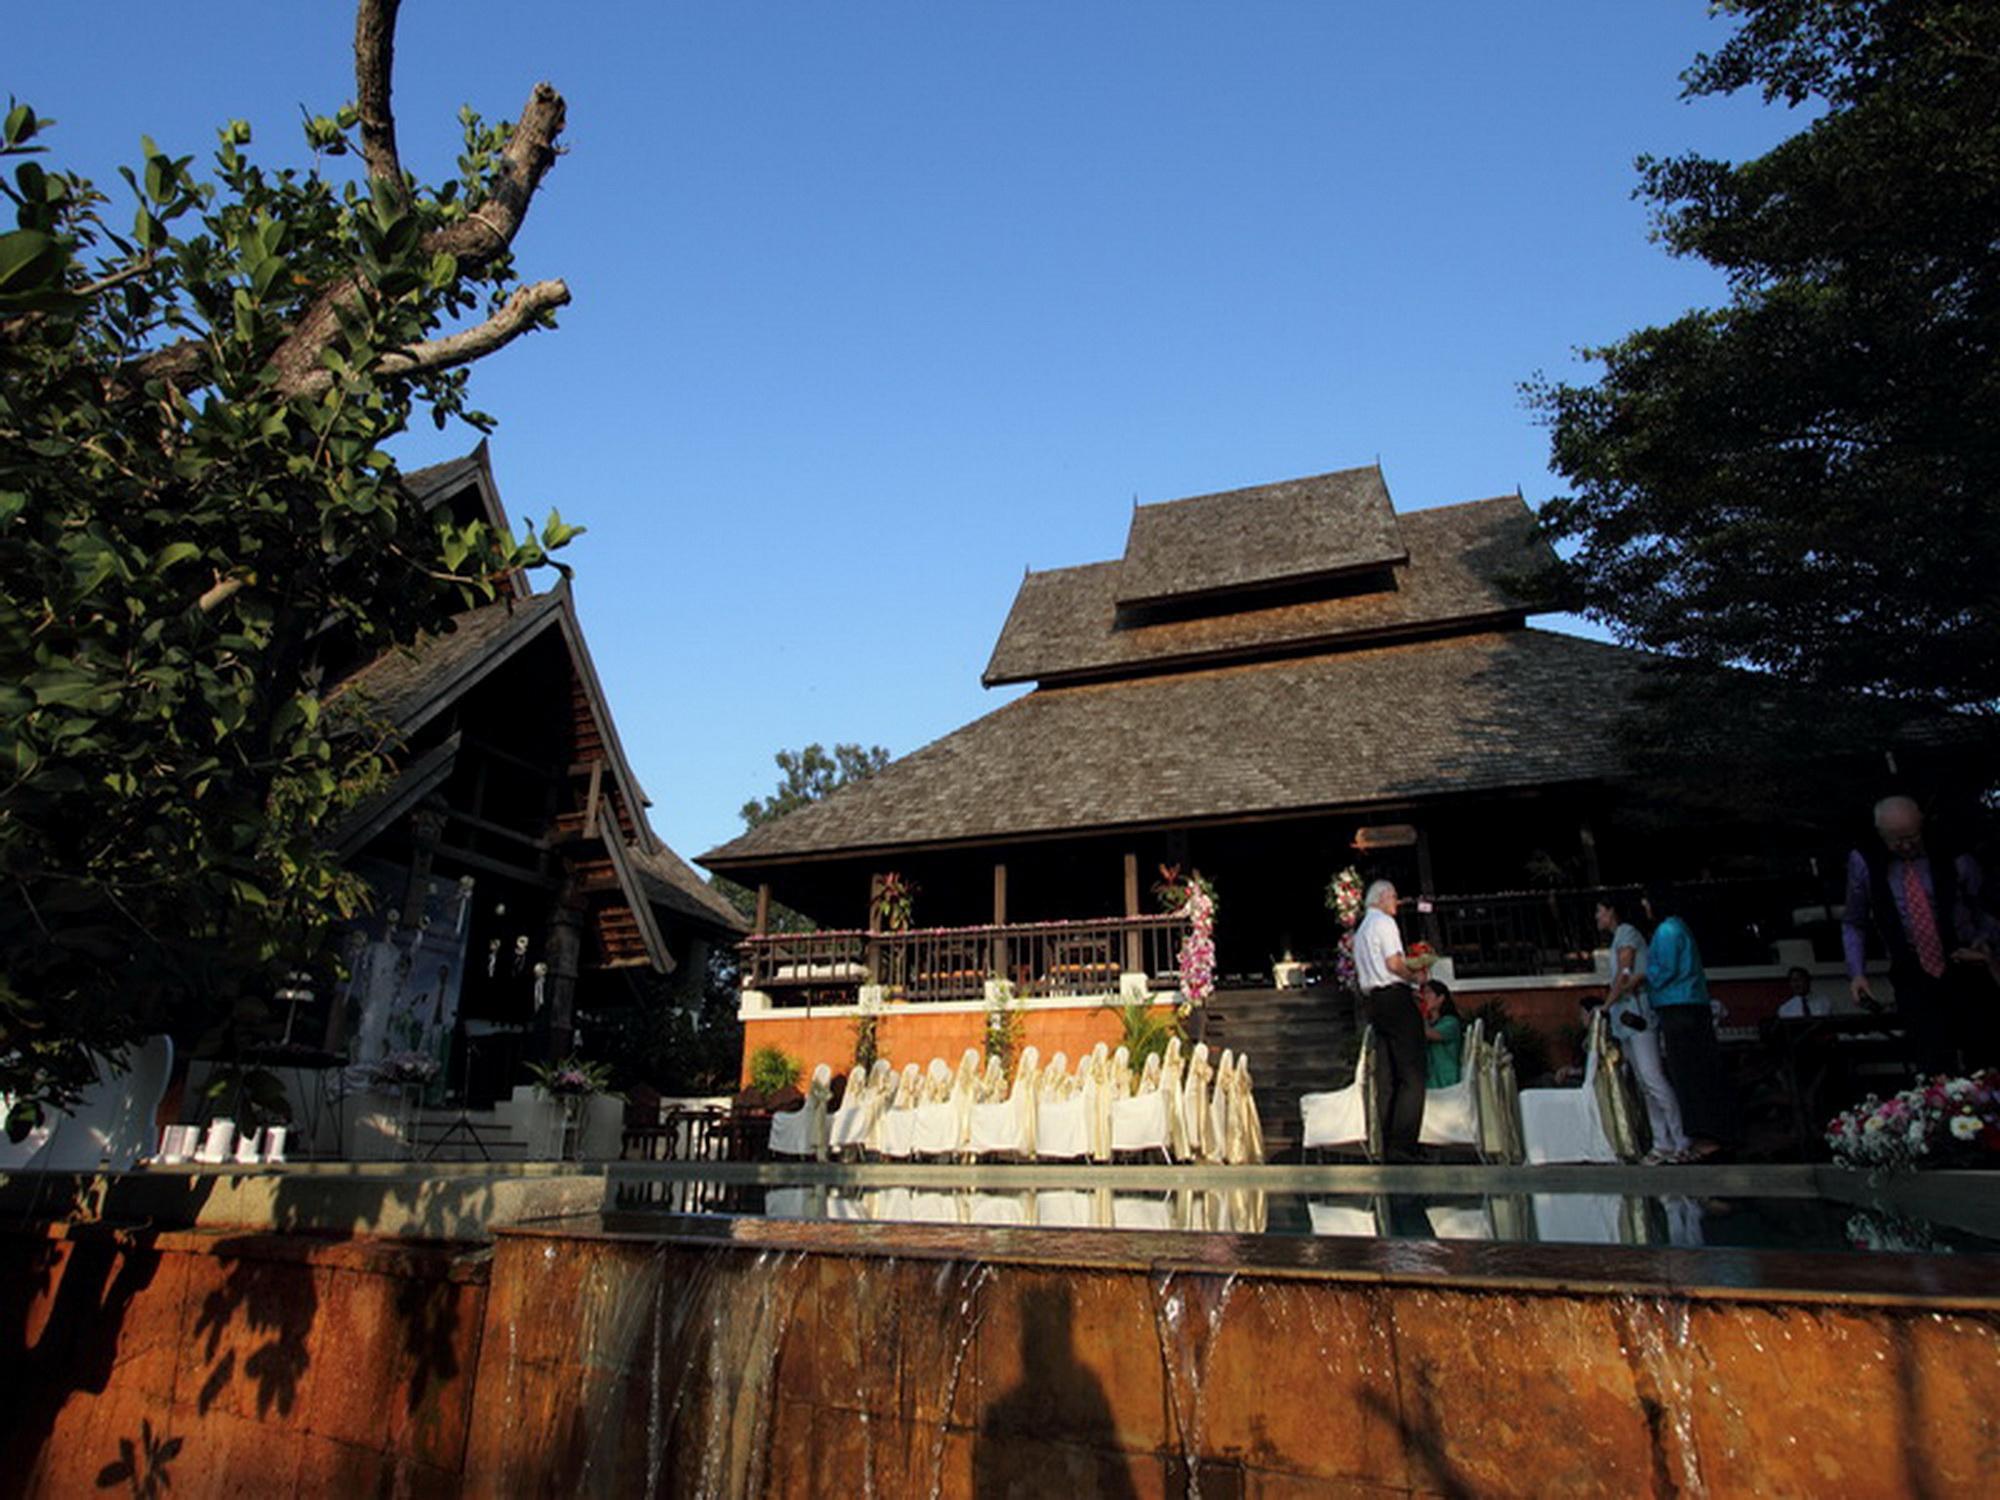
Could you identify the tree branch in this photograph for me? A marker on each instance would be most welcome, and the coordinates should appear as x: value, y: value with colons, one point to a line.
x: 474, y: 241
x: 516, y: 316
x: 374, y: 66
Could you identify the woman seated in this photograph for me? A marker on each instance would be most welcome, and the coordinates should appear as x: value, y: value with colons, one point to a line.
x: 1444, y: 1035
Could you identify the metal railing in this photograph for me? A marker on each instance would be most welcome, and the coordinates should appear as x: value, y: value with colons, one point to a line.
x: 1507, y: 933
x: 930, y: 964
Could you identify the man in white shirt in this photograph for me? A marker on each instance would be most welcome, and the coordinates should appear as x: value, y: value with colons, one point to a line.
x: 1389, y: 1004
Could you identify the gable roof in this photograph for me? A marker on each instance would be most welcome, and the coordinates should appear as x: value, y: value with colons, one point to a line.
x: 1266, y: 536
x: 675, y: 884
x: 1065, y: 624
x: 1513, y: 708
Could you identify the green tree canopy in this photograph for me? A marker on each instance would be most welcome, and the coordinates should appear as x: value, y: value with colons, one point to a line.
x: 811, y: 774
x: 199, y: 525
x: 1804, y: 480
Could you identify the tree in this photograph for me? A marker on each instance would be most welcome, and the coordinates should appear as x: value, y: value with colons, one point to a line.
x: 811, y: 775
x: 1807, y: 479
x: 198, y: 523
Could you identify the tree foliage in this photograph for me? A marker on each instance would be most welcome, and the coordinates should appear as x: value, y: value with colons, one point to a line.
x: 812, y: 774
x: 1804, y: 480
x: 199, y: 524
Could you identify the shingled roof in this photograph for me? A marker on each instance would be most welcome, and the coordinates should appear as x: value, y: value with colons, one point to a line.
x: 1066, y: 624
x: 675, y: 884
x: 1510, y: 708
x: 1268, y: 536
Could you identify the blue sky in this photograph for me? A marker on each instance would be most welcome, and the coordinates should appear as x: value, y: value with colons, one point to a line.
x: 877, y: 304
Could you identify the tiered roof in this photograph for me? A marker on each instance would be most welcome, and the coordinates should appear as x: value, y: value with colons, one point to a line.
x: 1249, y: 656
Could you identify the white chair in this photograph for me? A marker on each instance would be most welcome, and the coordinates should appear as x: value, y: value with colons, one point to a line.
x: 1068, y: 1208
x: 1243, y: 1132
x: 847, y: 1126
x: 1194, y: 1104
x: 1173, y: 1080
x: 802, y: 1131
x: 1460, y: 1223
x: 1343, y: 1117
x: 1064, y: 1115
x: 941, y: 1122
x: 895, y: 1130
x: 1142, y: 1211
x: 1005, y: 1209
x: 1568, y: 1124
x: 1006, y: 1127
x: 1139, y: 1122
x: 1451, y: 1113
x: 1578, y: 1218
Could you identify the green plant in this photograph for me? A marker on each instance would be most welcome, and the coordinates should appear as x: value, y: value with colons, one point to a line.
x: 894, y: 903
x: 773, y: 1070
x: 1004, y: 1024
x: 572, y: 1078
x: 1146, y: 1031
x: 866, y: 1049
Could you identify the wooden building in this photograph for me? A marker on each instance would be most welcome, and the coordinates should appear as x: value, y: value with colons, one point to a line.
x: 520, y: 881
x: 1269, y: 685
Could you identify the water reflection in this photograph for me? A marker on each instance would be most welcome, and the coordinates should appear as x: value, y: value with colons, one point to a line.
x: 1678, y: 1221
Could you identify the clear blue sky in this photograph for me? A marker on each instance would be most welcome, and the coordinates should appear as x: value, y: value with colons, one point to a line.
x: 876, y: 304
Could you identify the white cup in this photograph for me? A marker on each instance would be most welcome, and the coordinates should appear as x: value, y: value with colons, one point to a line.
x: 246, y: 1148
x: 274, y: 1143
x: 217, y: 1144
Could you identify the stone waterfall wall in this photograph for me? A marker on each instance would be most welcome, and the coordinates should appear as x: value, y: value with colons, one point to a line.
x: 559, y: 1363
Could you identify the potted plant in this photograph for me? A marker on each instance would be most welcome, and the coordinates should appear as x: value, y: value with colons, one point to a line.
x: 571, y: 1084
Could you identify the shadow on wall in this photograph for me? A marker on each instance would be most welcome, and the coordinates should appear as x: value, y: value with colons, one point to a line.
x: 1052, y: 1377
x: 228, y: 1324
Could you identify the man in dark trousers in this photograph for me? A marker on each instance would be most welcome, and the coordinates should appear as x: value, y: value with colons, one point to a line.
x: 1389, y: 1004
x: 1928, y: 906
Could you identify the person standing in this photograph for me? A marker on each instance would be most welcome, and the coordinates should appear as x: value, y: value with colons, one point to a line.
x: 1938, y: 935
x: 1389, y: 1004
x: 1677, y: 988
x: 1637, y: 1031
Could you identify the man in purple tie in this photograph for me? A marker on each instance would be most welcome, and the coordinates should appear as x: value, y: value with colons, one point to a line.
x: 1939, y: 936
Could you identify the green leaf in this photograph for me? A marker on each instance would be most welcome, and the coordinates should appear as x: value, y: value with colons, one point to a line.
x: 172, y: 553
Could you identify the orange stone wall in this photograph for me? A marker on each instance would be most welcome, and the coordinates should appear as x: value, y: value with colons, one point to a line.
x: 916, y: 1036
x: 194, y: 1364
x: 800, y: 1374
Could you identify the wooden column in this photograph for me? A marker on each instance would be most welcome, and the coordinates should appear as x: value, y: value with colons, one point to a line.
x: 1132, y: 961
x: 871, y: 953
x: 1586, y: 836
x: 763, y: 909
x: 1427, y: 888
x: 996, y: 962
x: 562, y: 948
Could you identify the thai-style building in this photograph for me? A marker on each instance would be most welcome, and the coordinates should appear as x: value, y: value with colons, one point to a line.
x: 1269, y: 685
x: 519, y: 882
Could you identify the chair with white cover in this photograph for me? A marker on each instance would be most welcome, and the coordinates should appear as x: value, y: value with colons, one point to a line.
x: 1568, y: 1124
x: 1344, y: 1220
x: 847, y: 1126
x: 1499, y: 1104
x: 1063, y: 1114
x: 802, y: 1131
x: 1246, y: 1136
x: 1006, y: 1127
x: 1195, y: 1103
x: 1344, y: 1117
x: 940, y: 1124
x: 1578, y: 1218
x: 1451, y: 1113
x: 1139, y: 1121
x: 1173, y: 1078
x: 895, y: 1130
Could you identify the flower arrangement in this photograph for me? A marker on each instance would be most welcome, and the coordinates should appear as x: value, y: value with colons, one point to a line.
x: 1343, y: 899
x: 1942, y: 1121
x: 401, y: 1068
x: 1197, y: 961
x: 572, y: 1078
x: 1420, y: 956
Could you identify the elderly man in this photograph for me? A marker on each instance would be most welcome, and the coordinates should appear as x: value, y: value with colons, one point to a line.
x: 1389, y: 1004
x: 1936, y: 930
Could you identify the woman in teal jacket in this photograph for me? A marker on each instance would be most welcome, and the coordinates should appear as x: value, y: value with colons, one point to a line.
x: 1678, y: 990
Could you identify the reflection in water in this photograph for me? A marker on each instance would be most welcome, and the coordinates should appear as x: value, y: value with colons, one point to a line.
x: 1677, y: 1220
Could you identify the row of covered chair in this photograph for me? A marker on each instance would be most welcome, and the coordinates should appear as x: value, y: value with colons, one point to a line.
x: 1177, y: 1104
x: 1600, y: 1121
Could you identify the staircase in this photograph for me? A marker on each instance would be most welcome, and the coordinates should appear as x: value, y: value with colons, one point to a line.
x: 1298, y: 1042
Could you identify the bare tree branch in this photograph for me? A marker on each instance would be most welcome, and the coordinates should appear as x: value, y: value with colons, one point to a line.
x: 374, y: 66
x: 516, y: 316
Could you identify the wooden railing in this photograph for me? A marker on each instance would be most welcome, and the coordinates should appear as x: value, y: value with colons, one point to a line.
x: 929, y: 964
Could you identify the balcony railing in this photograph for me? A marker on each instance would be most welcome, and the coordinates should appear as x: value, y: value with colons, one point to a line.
x: 1041, y: 959
x: 1555, y: 931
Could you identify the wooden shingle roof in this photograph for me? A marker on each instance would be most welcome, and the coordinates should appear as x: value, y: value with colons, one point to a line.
x: 1267, y: 536
x: 1066, y: 624
x: 1351, y: 729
